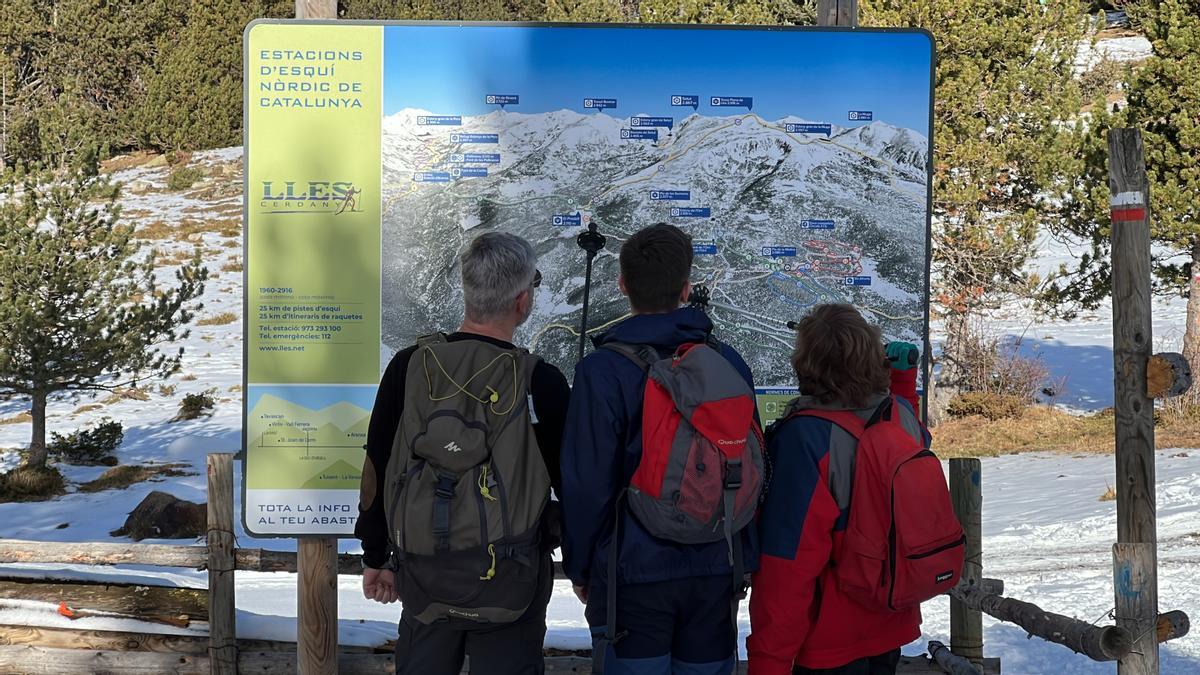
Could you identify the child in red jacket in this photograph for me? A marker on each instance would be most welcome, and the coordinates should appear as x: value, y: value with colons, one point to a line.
x: 799, y: 618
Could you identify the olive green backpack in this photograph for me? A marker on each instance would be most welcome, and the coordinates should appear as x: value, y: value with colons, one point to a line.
x: 466, y: 484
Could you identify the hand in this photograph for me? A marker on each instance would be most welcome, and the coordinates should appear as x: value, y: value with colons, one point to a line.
x: 903, y: 355
x: 581, y: 592
x: 380, y: 585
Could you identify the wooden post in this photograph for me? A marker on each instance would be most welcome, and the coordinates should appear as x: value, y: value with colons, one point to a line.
x: 1132, y: 340
x: 222, y: 627
x: 316, y: 9
x: 966, y: 623
x: 837, y: 13
x: 317, y: 559
x: 317, y: 607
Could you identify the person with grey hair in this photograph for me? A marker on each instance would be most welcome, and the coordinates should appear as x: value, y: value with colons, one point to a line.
x: 455, y: 516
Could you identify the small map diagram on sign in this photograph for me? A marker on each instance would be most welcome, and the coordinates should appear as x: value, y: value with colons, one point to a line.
x: 319, y: 431
x: 793, y: 196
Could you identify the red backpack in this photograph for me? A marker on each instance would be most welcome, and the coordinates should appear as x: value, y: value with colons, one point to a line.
x: 903, y: 543
x: 701, y: 470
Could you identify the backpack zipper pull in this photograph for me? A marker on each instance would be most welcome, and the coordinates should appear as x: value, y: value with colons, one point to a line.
x: 491, y: 573
x: 485, y: 485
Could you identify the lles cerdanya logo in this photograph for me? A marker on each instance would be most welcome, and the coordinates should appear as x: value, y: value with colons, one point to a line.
x: 314, y: 196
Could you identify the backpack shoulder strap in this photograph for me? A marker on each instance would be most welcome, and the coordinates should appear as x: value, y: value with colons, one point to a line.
x: 643, y: 356
x: 431, y: 339
x: 847, y: 420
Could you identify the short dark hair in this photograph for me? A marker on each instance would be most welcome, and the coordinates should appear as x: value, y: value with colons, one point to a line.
x: 656, y: 263
x: 839, y: 357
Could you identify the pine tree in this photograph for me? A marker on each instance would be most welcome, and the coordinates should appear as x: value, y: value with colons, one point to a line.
x: 1164, y: 102
x: 81, y: 306
x: 194, y: 89
x: 1003, y: 86
x: 745, y: 12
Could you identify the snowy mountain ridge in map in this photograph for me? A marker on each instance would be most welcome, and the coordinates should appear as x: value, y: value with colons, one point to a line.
x: 784, y: 214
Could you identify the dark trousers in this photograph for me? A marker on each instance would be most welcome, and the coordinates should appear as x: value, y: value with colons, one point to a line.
x: 509, y: 649
x: 671, y: 627
x: 884, y: 664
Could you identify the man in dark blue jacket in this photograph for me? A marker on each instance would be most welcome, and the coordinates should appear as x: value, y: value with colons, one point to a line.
x: 673, y: 600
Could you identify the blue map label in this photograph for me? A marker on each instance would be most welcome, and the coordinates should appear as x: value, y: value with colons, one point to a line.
x: 858, y: 281
x: 475, y: 158
x: 639, y: 134
x: 691, y: 212
x: 685, y: 100
x: 816, y: 224
x: 469, y: 172
x: 704, y: 247
x: 599, y: 103
x: 566, y: 219
x: 474, y: 138
x: 644, y: 121
x: 431, y: 177
x: 808, y: 128
x: 746, y: 102
x: 861, y: 116
x: 439, y: 120
x: 779, y: 251
x: 502, y: 99
x: 670, y: 195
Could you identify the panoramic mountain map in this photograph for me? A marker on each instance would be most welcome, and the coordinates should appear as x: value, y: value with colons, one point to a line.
x: 800, y: 184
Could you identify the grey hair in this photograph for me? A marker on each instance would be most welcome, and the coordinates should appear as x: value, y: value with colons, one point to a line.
x: 496, y: 268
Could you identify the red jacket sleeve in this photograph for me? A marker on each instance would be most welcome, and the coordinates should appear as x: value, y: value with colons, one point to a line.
x: 796, y: 534
x: 904, y: 385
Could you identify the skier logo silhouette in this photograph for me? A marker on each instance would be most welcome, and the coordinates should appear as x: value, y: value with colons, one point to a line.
x: 349, y: 202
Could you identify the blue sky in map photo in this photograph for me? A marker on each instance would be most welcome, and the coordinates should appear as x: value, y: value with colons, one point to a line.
x: 816, y: 75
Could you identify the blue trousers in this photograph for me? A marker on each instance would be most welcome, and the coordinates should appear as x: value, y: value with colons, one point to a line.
x: 677, y: 627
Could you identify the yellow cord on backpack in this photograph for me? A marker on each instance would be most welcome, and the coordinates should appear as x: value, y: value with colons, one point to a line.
x: 483, y: 486
x: 491, y: 400
x: 491, y: 570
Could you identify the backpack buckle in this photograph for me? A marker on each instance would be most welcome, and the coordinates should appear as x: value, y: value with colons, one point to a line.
x: 733, y: 474
x: 444, y: 488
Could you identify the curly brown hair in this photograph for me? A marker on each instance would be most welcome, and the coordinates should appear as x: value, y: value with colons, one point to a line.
x: 839, y: 357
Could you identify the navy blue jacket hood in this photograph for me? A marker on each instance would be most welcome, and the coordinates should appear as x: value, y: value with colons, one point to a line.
x: 602, y: 446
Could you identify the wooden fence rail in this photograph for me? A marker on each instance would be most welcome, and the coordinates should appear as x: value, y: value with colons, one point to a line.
x: 35, y: 660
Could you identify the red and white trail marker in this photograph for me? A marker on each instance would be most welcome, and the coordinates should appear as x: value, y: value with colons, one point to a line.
x: 1128, y: 207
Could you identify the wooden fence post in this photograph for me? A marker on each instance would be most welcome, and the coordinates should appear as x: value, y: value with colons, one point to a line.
x: 1135, y: 567
x: 837, y: 13
x: 966, y: 492
x: 222, y: 626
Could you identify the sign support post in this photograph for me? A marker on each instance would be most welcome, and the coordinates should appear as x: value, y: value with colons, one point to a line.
x: 316, y: 562
x: 837, y: 13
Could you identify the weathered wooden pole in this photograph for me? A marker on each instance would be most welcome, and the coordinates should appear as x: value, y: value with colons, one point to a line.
x: 966, y: 493
x: 1135, y: 558
x: 837, y: 13
x: 316, y: 559
x: 222, y: 627
x: 949, y: 661
x: 1100, y: 643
